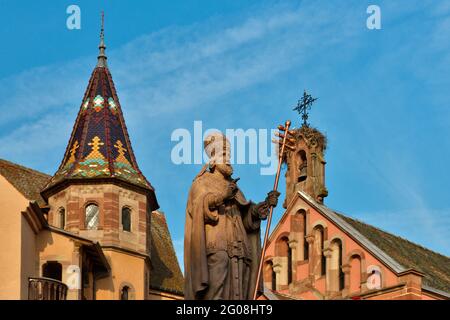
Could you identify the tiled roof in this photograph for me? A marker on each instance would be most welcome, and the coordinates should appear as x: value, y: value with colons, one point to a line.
x: 165, y: 274
x: 27, y: 181
x: 99, y: 147
x: 435, y: 266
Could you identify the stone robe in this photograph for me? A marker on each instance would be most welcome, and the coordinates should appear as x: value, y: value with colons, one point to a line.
x: 222, y: 246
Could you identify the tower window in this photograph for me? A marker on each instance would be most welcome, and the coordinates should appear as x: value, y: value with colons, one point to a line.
x: 126, y: 219
x: 303, y: 166
x: 92, y: 217
x: 62, y: 218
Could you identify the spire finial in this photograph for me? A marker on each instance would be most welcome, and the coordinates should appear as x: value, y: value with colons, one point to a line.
x: 303, y: 106
x: 101, y: 56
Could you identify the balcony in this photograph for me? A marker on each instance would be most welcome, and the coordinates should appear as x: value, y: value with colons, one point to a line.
x: 46, y: 289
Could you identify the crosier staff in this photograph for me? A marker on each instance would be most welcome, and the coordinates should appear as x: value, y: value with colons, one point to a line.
x: 284, y: 141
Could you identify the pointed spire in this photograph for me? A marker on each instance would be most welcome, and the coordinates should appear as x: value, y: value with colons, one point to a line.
x: 101, y: 56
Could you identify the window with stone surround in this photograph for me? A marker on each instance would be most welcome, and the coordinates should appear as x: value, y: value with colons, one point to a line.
x: 335, y: 269
x: 126, y: 219
x: 302, y: 214
x: 355, y: 273
x: 270, y: 276
x: 319, y: 238
x: 92, y: 216
x: 284, y: 251
x: 62, y: 218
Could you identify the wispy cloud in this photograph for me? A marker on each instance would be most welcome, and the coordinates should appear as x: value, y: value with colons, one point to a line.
x: 170, y: 70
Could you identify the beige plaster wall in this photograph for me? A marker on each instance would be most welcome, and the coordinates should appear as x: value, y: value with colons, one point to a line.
x: 28, y: 256
x: 12, y: 203
x: 127, y: 270
x: 51, y: 246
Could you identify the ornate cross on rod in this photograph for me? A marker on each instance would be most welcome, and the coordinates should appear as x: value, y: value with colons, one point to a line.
x: 304, y: 105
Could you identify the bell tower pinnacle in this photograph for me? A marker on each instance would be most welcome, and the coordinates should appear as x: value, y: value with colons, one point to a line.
x: 305, y: 161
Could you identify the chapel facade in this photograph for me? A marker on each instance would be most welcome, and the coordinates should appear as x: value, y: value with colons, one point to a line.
x: 316, y: 253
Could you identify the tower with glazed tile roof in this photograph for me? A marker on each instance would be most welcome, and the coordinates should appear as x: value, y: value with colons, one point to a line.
x: 99, y: 147
x: 100, y: 190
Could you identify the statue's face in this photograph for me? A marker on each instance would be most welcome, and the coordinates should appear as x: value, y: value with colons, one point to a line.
x: 224, y: 168
x: 221, y: 160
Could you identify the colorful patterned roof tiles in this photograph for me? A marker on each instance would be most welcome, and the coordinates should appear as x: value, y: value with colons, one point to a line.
x: 99, y: 146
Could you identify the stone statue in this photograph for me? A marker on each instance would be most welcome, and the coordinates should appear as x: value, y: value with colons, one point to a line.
x: 222, y: 243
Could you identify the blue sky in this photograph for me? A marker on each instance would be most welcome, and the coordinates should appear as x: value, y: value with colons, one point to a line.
x: 383, y: 94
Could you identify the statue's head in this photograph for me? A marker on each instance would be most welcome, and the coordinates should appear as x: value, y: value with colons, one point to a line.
x: 217, y: 148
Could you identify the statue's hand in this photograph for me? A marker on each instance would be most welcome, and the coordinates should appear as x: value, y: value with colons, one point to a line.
x: 261, y: 210
x: 212, y: 217
x: 230, y: 191
x: 218, y: 198
x: 272, y: 198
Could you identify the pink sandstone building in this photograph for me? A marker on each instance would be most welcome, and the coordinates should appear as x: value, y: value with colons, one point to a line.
x: 317, y: 253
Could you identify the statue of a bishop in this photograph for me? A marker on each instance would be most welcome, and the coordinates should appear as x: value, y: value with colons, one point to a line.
x: 222, y: 242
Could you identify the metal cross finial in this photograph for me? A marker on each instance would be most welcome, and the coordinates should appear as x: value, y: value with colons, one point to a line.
x: 102, y: 56
x: 103, y: 23
x: 304, y: 105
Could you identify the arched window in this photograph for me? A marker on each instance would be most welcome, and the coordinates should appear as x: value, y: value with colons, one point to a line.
x: 319, y: 238
x: 126, y: 219
x: 124, y: 293
x: 303, y: 166
x: 92, y: 216
x: 283, y: 250
x: 62, y: 218
x: 355, y: 274
x: 305, y: 243
x: 341, y: 272
x: 52, y: 269
x: 270, y: 276
x: 337, y: 275
x: 289, y: 271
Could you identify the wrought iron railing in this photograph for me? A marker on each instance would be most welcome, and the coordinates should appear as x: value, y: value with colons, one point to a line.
x: 46, y: 289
